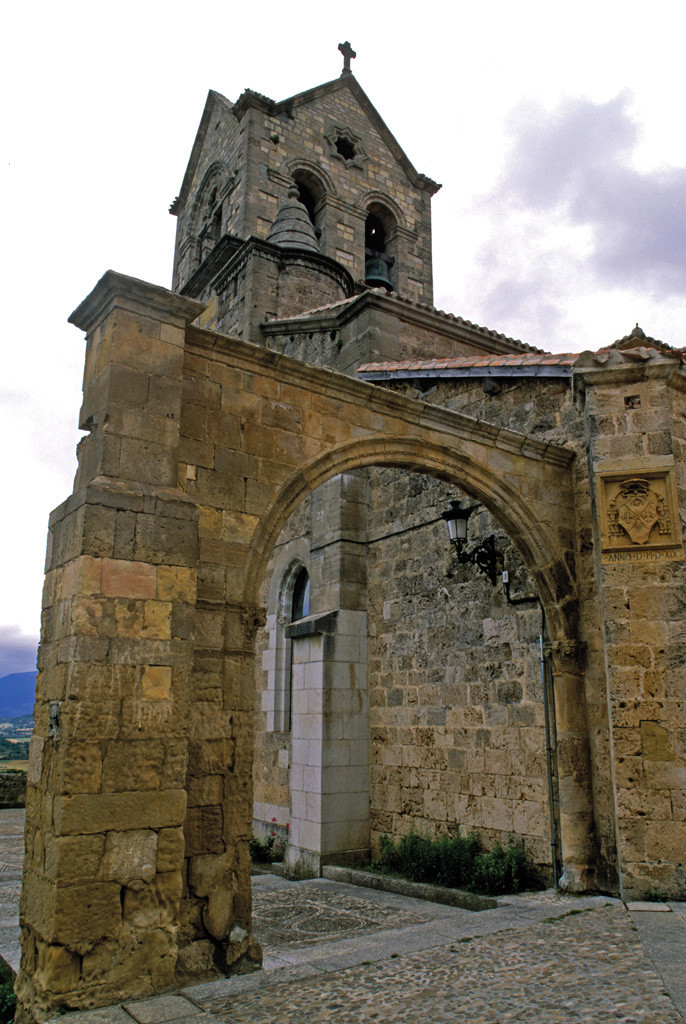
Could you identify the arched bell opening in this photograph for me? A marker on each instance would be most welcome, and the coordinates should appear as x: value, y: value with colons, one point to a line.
x: 379, y: 247
x: 312, y: 195
x: 209, y: 215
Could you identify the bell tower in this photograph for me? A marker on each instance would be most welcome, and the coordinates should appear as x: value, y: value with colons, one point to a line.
x: 324, y: 159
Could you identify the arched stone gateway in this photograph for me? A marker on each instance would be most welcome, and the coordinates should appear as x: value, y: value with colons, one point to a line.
x: 139, y: 801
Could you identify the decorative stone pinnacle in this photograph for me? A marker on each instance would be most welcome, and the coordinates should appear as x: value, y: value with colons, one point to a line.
x: 348, y: 55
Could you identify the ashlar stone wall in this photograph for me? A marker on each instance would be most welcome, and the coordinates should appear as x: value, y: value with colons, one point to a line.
x: 551, y: 409
x: 456, y: 707
x: 634, y: 431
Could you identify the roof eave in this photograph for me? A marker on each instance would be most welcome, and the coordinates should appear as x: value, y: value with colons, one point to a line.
x: 213, y: 99
x: 383, y: 376
x: 480, y: 338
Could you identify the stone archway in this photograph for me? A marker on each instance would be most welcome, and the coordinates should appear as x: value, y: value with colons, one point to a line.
x: 550, y: 572
x: 139, y: 806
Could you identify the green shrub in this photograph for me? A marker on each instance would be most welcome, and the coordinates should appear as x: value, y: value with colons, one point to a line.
x: 458, y: 862
x: 261, y: 849
x: 457, y: 855
x: 8, y: 1000
x: 267, y: 850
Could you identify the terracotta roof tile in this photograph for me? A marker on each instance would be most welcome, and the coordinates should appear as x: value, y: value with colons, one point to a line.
x: 468, y: 362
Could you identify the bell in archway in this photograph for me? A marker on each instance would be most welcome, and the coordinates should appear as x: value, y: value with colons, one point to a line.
x: 376, y: 273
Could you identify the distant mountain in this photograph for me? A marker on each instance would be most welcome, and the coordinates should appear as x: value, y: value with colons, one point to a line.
x: 17, y: 694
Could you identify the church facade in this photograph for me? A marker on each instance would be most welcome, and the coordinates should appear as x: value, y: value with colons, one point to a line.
x: 254, y: 616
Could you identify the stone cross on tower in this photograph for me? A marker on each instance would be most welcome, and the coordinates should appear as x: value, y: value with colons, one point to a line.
x: 348, y: 54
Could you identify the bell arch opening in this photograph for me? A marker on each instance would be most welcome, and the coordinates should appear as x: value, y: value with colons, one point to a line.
x: 380, y: 246
x: 312, y: 194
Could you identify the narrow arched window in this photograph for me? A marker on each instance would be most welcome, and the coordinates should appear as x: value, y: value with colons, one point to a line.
x: 300, y: 604
x: 289, y: 602
x: 307, y: 199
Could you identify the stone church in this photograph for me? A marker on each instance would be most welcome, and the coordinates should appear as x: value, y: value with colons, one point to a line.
x: 337, y: 565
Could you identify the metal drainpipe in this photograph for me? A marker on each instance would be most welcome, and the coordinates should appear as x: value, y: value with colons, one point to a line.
x: 551, y: 755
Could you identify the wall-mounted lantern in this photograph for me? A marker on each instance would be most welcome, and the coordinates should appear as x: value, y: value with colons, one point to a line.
x: 484, y: 555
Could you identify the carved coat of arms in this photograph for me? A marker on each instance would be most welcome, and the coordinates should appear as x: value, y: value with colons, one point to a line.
x: 635, y: 510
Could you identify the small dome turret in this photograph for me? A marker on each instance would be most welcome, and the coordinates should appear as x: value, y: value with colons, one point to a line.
x: 292, y: 227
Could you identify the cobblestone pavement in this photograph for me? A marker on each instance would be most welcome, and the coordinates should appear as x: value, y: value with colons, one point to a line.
x: 336, y: 954
x: 541, y: 959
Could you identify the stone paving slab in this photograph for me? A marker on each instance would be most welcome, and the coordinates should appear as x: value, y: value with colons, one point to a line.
x: 166, y: 1009
x: 419, y: 890
x: 104, y: 1015
x: 160, y: 1009
x: 649, y: 907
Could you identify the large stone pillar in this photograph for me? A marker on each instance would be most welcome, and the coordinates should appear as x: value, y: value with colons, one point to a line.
x: 330, y: 742
x: 330, y: 705
x: 572, y: 751
x: 105, y: 802
x: 634, y: 404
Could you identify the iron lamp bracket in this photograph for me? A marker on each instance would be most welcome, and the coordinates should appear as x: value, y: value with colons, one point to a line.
x: 484, y: 556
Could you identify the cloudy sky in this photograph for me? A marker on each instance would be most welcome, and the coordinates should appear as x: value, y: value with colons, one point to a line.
x: 556, y: 131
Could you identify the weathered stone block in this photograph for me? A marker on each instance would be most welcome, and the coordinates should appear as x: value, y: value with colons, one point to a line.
x: 100, y: 682
x: 132, y: 765
x: 154, y: 904
x: 141, y: 964
x: 205, y: 790
x: 98, y: 531
x: 203, y: 831
x: 71, y: 859
x: 164, y: 539
x: 176, y: 583
x: 80, y: 576
x: 119, y: 811
x: 212, y: 756
x: 57, y: 969
x: 207, y: 721
x: 156, y: 682
x: 130, y: 856
x: 90, y: 720
x: 655, y: 742
x: 77, y: 916
x: 170, y: 849
x: 128, y: 579
x: 80, y: 765
x: 666, y: 841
